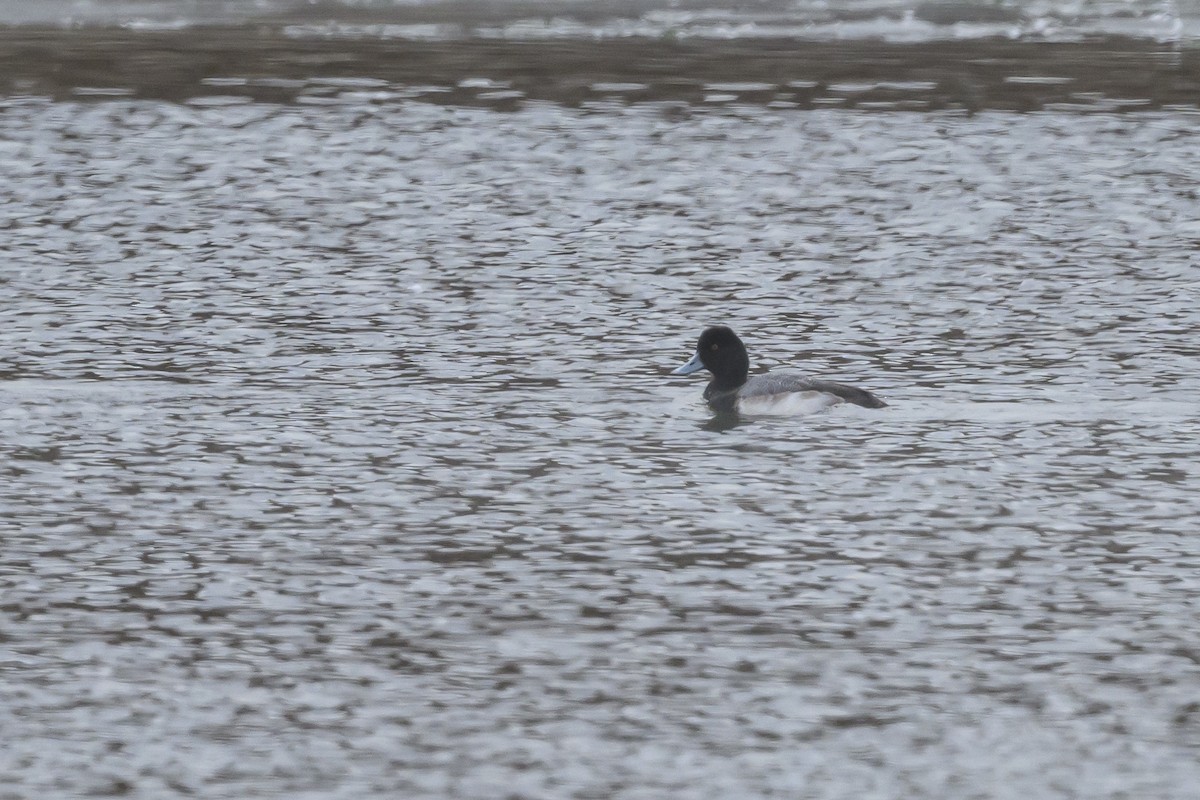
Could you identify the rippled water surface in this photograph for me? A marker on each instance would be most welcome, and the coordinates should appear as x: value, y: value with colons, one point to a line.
x: 341, y: 458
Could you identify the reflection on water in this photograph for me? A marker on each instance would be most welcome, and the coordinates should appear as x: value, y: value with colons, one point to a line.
x: 723, y: 422
x: 341, y: 456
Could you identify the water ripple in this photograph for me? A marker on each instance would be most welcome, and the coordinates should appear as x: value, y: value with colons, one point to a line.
x: 342, y: 459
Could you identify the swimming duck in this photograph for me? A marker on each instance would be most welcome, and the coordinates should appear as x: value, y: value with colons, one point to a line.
x: 732, y: 390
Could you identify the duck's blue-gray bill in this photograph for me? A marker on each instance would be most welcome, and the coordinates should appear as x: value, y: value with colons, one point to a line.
x: 692, y: 366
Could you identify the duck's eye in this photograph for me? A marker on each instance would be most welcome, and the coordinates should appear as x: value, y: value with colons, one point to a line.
x: 715, y: 347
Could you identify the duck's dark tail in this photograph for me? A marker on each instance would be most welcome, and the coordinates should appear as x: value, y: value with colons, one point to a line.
x: 851, y: 394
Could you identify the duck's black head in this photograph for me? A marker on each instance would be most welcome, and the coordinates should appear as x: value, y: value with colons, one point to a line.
x: 722, y: 353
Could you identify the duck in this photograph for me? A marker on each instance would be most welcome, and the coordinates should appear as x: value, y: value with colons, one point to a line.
x: 733, y: 391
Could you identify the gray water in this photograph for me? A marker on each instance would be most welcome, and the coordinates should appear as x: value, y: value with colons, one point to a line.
x: 341, y: 457
x: 896, y: 20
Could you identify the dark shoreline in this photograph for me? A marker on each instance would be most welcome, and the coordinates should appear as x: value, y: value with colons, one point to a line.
x: 267, y: 65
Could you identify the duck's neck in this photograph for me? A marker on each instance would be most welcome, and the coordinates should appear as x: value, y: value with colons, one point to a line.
x: 719, y: 385
x: 723, y: 401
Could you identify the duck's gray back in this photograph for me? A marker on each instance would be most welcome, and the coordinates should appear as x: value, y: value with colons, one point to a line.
x: 775, y: 383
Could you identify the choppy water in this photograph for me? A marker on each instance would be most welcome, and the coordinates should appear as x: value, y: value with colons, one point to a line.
x: 341, y: 457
